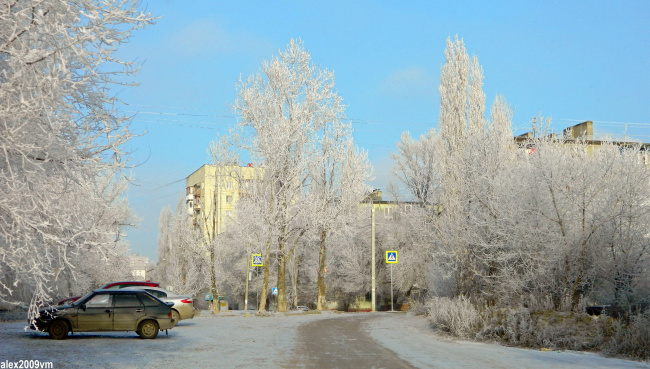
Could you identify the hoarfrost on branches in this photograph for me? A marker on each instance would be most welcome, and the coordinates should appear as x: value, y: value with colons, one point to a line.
x: 61, y: 138
x: 310, y: 174
x: 553, y: 227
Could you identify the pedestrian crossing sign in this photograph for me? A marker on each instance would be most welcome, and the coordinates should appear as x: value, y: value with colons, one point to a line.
x: 391, y: 257
x: 256, y: 260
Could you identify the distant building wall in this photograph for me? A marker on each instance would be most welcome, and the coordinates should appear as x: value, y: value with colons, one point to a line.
x: 138, y: 265
x: 212, y: 193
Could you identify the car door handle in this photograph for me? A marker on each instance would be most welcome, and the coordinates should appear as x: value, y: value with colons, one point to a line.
x: 108, y: 311
x: 139, y: 310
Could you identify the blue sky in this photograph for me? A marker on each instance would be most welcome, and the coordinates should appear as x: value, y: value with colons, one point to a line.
x: 568, y: 60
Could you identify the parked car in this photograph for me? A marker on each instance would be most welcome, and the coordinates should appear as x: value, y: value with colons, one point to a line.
x: 107, y: 310
x: 119, y: 285
x: 111, y: 286
x: 616, y: 310
x: 183, y: 304
x: 302, y: 308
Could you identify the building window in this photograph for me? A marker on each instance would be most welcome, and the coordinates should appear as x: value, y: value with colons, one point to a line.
x: 229, y: 185
x: 229, y: 199
x: 229, y: 213
x: 387, y: 212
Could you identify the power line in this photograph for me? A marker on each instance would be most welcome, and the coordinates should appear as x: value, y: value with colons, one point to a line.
x: 360, y: 124
x: 608, y: 122
x: 166, y: 123
x: 179, y: 114
x: 168, y: 184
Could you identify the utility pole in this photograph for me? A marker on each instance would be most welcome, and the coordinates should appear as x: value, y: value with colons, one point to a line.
x: 372, y: 248
x: 248, y: 277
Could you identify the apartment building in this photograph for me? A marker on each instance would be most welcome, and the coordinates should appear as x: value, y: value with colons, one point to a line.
x: 583, y: 132
x: 212, y: 193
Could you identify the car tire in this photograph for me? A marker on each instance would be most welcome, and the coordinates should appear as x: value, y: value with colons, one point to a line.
x: 176, y: 315
x: 58, y: 329
x: 148, y: 329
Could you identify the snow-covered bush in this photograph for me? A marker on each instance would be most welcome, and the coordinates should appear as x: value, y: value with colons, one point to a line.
x: 549, y: 329
x: 457, y: 316
x: 633, y: 339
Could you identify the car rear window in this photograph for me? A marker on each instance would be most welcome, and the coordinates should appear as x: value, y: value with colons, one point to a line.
x: 148, y: 300
x: 158, y: 294
x: 126, y: 301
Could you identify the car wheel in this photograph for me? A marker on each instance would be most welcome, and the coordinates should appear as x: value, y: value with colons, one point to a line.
x: 176, y: 316
x: 148, y: 329
x: 58, y: 330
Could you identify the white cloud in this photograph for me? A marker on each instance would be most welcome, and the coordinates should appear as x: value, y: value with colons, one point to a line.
x: 207, y: 37
x: 200, y: 37
x: 413, y: 81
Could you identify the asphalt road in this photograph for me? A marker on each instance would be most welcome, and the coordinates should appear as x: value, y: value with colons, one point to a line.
x: 342, y: 343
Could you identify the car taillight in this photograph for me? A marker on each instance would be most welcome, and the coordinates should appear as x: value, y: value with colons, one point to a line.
x: 170, y: 315
x: 186, y: 301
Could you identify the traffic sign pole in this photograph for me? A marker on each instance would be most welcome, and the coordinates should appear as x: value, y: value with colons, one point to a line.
x: 391, y: 287
x: 391, y: 258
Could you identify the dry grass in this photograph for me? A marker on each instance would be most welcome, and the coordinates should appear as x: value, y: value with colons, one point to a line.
x: 455, y: 316
x: 542, y: 329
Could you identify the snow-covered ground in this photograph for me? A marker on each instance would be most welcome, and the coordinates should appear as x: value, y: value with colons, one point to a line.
x: 233, y: 340
x: 409, y: 336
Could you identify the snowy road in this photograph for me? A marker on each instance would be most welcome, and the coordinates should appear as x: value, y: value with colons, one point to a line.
x: 231, y: 340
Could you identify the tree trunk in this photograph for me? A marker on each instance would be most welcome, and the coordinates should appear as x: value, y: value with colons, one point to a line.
x: 265, y: 284
x: 294, y: 279
x: 282, y: 286
x: 213, y: 283
x: 322, y: 288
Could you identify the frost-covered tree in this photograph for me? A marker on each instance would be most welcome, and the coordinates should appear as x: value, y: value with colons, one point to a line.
x: 550, y: 227
x: 292, y: 128
x: 183, y: 261
x: 418, y: 166
x: 336, y: 187
x: 61, y: 136
x: 455, y: 170
x: 590, y: 212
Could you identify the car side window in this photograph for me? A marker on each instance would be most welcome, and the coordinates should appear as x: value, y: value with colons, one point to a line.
x: 126, y: 301
x: 158, y: 294
x: 103, y: 300
x: 148, y: 300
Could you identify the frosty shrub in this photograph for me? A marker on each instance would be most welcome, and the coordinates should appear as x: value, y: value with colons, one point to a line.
x: 519, y: 327
x: 510, y: 325
x: 418, y: 307
x: 457, y: 316
x: 632, y: 340
x: 551, y: 329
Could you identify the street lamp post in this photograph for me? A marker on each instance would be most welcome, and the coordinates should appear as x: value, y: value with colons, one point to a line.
x: 372, y: 248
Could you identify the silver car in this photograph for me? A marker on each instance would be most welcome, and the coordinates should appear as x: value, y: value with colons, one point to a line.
x: 183, y: 304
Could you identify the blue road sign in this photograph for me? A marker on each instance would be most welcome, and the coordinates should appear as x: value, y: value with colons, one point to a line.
x: 256, y: 260
x: 391, y: 257
x: 275, y: 290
